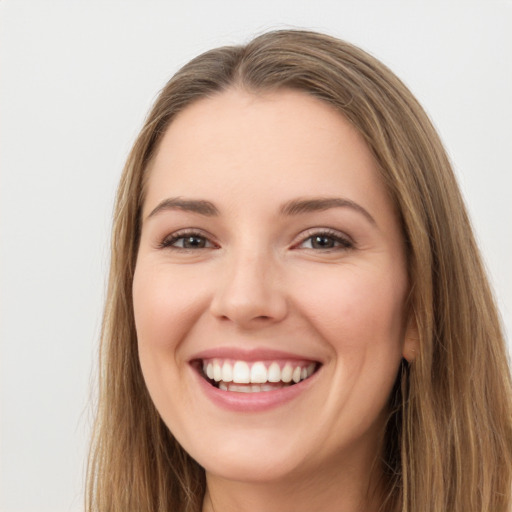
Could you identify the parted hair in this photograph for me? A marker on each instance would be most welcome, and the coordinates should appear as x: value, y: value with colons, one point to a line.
x: 447, y: 445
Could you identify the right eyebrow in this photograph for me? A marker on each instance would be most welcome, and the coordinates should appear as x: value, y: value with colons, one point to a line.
x: 190, y: 205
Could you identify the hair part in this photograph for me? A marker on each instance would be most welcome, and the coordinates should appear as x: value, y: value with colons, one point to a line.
x: 448, y: 440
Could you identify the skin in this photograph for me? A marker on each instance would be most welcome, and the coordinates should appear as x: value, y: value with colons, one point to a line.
x: 261, y: 282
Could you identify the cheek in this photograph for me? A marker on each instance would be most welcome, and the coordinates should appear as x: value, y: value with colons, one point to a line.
x: 165, y: 307
x: 359, y: 313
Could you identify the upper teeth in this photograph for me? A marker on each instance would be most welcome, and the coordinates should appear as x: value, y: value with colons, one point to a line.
x: 259, y: 372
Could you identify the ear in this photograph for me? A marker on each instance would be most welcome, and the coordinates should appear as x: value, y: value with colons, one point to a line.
x: 411, y: 347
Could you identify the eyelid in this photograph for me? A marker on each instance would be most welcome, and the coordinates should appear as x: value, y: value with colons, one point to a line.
x: 168, y: 241
x: 343, y: 238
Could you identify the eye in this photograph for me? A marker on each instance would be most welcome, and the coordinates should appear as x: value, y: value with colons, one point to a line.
x: 187, y: 241
x: 326, y: 240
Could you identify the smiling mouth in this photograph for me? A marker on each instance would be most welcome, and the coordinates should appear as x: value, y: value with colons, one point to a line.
x: 254, y: 376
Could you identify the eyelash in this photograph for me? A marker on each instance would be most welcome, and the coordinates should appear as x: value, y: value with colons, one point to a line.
x: 344, y: 243
x: 168, y: 242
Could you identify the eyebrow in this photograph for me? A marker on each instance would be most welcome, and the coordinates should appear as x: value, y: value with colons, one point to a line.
x: 307, y: 205
x: 189, y: 205
x: 293, y: 207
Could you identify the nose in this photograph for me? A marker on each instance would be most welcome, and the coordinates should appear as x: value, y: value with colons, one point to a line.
x: 250, y: 292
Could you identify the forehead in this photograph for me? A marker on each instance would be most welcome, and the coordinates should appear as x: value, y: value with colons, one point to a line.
x: 285, y: 143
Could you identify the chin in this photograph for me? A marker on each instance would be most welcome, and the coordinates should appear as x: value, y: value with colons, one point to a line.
x: 251, y: 469
x: 256, y: 458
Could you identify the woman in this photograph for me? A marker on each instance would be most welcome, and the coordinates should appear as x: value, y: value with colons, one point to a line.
x: 297, y: 316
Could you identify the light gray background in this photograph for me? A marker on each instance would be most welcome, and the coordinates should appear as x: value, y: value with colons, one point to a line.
x: 76, y: 81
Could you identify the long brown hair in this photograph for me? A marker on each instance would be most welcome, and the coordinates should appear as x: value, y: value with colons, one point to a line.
x: 448, y: 441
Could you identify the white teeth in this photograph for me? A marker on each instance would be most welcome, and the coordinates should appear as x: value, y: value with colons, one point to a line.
x: 241, y: 373
x: 287, y: 373
x: 274, y: 373
x: 227, y: 372
x: 209, y: 370
x: 250, y: 388
x: 217, y: 371
x: 240, y: 389
x: 258, y: 373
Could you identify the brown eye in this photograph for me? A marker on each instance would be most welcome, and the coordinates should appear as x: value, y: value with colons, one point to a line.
x: 326, y: 241
x: 322, y: 242
x: 187, y: 241
x: 191, y: 242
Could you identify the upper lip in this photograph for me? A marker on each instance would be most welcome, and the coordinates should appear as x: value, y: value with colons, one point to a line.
x: 252, y: 354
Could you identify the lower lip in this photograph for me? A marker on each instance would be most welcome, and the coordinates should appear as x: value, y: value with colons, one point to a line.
x: 253, y: 402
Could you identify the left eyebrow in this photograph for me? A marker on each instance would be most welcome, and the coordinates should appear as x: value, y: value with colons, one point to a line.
x: 307, y: 205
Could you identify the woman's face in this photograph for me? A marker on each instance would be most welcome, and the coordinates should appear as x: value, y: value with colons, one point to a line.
x: 269, y: 288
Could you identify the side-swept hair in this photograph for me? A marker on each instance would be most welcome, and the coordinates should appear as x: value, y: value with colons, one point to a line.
x: 448, y: 440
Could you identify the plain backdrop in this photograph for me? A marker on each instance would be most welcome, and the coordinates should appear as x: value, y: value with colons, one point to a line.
x: 77, y: 79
